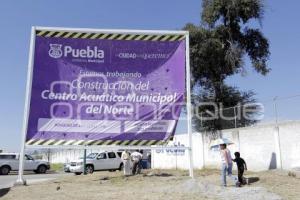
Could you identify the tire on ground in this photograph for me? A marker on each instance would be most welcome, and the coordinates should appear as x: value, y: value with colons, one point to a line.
x: 89, y: 169
x: 42, y: 169
x: 4, y: 170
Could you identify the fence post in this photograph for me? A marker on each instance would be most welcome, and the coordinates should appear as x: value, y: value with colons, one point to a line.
x: 84, y: 162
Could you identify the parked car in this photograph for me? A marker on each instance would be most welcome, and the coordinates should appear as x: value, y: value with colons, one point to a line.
x: 10, y: 162
x: 102, y: 161
x: 67, y: 166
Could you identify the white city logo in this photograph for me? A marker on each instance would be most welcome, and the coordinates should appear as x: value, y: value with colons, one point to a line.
x: 56, y: 51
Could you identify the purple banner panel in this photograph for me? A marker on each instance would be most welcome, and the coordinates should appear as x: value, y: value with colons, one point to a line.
x: 105, y: 89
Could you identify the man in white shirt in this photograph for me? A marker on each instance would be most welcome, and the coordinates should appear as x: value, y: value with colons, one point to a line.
x: 136, y: 158
x: 126, y: 162
x: 226, y: 164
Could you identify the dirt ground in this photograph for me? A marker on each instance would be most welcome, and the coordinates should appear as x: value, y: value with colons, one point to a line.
x: 158, y: 185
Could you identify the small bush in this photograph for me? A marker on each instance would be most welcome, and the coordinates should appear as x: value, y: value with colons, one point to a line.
x: 57, y: 167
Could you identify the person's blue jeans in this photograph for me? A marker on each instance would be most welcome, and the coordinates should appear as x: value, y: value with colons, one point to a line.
x: 226, y: 171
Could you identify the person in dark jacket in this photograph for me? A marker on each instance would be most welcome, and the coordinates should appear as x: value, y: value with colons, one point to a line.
x: 241, y: 166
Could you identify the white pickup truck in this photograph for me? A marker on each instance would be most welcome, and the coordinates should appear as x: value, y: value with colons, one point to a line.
x: 101, y: 161
x: 10, y: 162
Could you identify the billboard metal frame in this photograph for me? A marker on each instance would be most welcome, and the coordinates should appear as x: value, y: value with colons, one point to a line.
x: 21, y: 179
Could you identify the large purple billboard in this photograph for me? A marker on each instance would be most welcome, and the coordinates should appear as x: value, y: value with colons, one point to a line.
x: 102, y: 88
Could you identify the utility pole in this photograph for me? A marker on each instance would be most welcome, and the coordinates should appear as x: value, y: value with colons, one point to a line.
x: 277, y: 135
x: 84, y: 162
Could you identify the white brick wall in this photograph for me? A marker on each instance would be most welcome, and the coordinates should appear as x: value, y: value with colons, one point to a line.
x: 257, y: 145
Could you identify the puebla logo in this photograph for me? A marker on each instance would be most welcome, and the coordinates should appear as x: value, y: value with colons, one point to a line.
x: 55, y: 51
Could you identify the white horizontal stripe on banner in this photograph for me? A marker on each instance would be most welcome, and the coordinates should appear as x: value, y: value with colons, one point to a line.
x: 153, y: 126
x: 78, y: 126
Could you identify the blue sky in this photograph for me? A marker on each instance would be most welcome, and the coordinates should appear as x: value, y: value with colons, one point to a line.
x: 279, y: 26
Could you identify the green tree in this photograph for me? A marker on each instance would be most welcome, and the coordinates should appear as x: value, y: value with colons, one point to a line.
x: 218, y: 48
